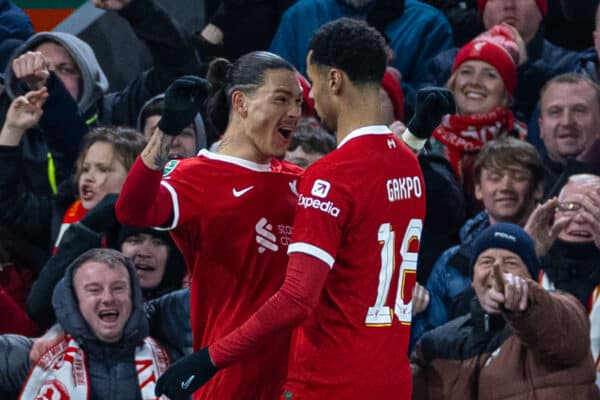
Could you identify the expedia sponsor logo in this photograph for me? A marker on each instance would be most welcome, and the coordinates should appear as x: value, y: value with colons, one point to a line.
x: 326, y: 206
x: 404, y: 188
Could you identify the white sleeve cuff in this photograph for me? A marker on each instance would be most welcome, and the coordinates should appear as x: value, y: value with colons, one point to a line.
x: 175, y: 201
x: 311, y: 250
x: 412, y: 141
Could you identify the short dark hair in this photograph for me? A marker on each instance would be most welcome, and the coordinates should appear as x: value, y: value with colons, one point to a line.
x: 312, y: 137
x: 508, y: 152
x: 572, y: 78
x: 246, y: 75
x: 352, y: 46
x: 110, y: 257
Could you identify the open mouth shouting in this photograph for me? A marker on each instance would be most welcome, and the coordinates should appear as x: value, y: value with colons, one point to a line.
x: 87, y: 193
x: 286, y: 133
x: 108, y: 316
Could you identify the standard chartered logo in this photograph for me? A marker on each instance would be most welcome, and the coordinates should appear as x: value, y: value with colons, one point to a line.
x: 265, y: 237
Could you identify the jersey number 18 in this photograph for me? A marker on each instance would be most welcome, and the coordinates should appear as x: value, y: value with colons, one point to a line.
x: 380, y: 314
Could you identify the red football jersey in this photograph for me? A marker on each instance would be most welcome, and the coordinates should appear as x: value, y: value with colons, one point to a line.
x: 232, y: 221
x: 360, y: 210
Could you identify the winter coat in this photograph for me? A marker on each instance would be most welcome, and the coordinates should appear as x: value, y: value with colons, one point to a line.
x: 173, y: 55
x: 541, y: 353
x: 111, y: 366
x: 31, y: 209
x: 169, y: 319
x: 445, y: 211
x: 418, y: 35
x: 545, y: 61
x: 76, y: 241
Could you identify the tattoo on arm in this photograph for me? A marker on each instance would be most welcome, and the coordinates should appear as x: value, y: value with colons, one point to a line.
x: 155, y: 154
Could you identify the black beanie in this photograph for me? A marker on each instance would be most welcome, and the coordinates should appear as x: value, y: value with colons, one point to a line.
x: 510, y: 237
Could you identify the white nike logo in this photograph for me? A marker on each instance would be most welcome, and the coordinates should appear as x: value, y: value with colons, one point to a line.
x: 239, y: 193
x: 188, y: 382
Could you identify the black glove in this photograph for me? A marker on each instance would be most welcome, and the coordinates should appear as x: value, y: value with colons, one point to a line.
x: 431, y: 105
x: 186, y: 376
x: 183, y: 100
x: 102, y: 218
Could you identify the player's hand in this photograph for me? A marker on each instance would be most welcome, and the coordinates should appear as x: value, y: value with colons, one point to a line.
x: 42, y: 344
x: 420, y: 299
x: 431, y: 105
x: 590, y: 211
x: 544, y: 225
x: 32, y: 68
x: 114, y: 5
x: 183, y: 100
x: 186, y: 376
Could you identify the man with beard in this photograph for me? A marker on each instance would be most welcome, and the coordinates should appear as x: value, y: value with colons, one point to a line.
x: 569, y: 126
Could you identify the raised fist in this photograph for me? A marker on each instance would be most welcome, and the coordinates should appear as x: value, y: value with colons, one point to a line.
x: 32, y: 68
x: 183, y: 100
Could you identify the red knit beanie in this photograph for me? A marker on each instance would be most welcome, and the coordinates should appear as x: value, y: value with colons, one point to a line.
x: 394, y: 92
x: 492, y: 53
x: 542, y: 5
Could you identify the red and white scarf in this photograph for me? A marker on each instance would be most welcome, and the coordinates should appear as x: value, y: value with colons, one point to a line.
x: 465, y: 135
x: 61, y: 373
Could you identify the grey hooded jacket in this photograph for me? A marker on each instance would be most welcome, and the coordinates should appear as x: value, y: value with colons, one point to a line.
x: 111, y: 366
x: 173, y: 55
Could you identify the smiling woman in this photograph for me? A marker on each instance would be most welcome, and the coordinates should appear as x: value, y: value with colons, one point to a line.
x: 483, y: 80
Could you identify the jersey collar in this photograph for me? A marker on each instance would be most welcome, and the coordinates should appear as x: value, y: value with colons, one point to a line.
x: 236, y: 160
x: 365, y: 130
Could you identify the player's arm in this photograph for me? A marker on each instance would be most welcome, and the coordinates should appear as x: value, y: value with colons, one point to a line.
x: 143, y: 201
x: 295, y: 300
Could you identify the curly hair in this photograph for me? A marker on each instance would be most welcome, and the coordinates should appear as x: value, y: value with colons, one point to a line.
x: 352, y: 46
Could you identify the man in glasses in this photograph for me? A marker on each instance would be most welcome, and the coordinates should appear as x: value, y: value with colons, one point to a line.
x: 572, y: 261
